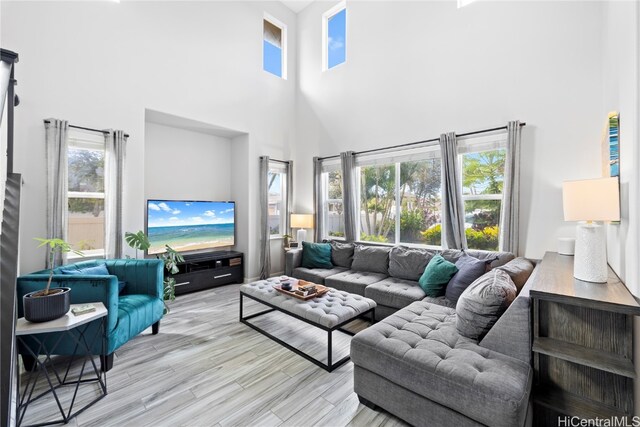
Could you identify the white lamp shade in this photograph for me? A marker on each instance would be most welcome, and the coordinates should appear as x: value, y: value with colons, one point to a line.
x: 301, y: 221
x: 591, y: 200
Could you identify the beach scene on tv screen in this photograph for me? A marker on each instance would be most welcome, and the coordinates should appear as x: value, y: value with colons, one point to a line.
x: 189, y: 226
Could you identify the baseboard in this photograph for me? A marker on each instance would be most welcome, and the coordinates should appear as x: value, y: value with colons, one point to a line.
x: 255, y: 279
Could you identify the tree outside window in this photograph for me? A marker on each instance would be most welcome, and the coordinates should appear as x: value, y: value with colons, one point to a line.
x: 333, y: 204
x: 482, y: 184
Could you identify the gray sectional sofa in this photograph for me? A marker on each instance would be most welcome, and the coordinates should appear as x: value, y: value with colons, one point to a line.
x: 415, y: 363
x: 391, y: 281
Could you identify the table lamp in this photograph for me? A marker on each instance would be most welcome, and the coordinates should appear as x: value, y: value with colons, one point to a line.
x: 588, y: 201
x: 301, y: 221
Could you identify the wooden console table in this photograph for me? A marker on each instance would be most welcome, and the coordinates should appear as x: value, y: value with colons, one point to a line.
x: 582, y: 345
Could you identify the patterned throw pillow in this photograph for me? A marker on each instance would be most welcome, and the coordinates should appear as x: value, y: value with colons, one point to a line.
x: 483, y: 302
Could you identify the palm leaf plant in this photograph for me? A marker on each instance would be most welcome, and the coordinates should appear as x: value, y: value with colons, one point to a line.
x: 171, y: 259
x: 138, y: 241
x: 54, y: 246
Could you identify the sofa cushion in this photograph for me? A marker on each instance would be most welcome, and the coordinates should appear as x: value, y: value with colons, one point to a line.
x: 353, y: 281
x: 436, y: 276
x: 519, y: 270
x: 374, y: 259
x: 469, y: 269
x: 452, y: 255
x: 316, y: 255
x: 408, y: 263
x: 342, y: 254
x: 135, y: 314
x: 394, y: 292
x: 443, y: 301
x: 419, y: 349
x: 316, y: 275
x: 483, y: 302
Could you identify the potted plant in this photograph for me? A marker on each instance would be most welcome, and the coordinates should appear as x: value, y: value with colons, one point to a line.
x: 171, y: 259
x: 48, y: 304
x: 286, y: 238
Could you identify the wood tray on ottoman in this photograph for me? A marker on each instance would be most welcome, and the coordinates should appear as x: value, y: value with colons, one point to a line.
x: 320, y: 289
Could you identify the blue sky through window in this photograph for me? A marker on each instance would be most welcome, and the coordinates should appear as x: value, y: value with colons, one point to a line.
x: 337, y: 39
x: 272, y: 59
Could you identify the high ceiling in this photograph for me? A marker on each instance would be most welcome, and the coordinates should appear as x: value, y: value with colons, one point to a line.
x: 296, y: 5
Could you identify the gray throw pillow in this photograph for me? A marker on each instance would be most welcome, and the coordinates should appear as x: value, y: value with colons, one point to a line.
x: 342, y: 254
x: 519, y: 270
x: 483, y: 302
x: 469, y: 269
x: 408, y: 263
x: 374, y: 259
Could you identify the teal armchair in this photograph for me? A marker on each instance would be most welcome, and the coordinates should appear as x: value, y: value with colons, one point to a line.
x: 132, y: 310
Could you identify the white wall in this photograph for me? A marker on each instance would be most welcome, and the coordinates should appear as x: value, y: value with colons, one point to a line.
x: 620, y: 57
x: 181, y: 164
x: 100, y: 64
x: 621, y: 92
x: 417, y: 69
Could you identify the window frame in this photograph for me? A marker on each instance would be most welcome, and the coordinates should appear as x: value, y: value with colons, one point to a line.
x: 396, y: 158
x: 283, y: 28
x: 477, y: 145
x: 277, y: 167
x: 84, y: 140
x: 326, y: 201
x: 326, y: 16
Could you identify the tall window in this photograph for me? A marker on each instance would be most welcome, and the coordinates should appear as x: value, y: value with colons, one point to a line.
x: 86, y: 226
x: 274, y: 53
x: 334, y: 38
x: 277, y: 182
x: 482, y: 183
x: 333, y: 204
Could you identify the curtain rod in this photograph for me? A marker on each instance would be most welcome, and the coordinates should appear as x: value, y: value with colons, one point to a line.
x: 89, y: 129
x: 426, y: 141
x: 276, y: 160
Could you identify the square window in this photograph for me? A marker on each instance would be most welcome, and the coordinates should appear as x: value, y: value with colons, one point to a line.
x: 335, y: 36
x: 273, y: 48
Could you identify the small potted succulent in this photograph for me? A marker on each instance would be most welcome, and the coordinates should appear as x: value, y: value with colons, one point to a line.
x: 48, y: 304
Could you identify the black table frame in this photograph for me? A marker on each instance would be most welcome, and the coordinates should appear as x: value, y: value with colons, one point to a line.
x: 330, y: 366
x: 78, y: 334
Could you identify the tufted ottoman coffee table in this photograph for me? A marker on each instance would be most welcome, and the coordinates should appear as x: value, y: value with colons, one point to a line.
x: 329, y: 312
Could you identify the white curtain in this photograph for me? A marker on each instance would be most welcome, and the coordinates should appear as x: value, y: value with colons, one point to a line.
x: 57, y: 141
x: 453, y: 235
x: 265, y: 241
x: 509, y: 215
x: 317, y: 200
x: 349, y: 195
x: 115, y: 148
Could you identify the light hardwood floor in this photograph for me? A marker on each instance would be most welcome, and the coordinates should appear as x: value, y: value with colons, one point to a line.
x: 205, y: 368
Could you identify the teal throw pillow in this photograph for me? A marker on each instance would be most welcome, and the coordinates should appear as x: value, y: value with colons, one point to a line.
x: 316, y: 255
x: 97, y: 270
x: 436, y: 276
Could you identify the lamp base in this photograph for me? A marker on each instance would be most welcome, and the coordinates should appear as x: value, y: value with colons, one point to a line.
x: 301, y: 236
x: 590, y: 262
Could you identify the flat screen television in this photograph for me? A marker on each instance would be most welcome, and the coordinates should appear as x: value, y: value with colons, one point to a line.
x: 189, y: 225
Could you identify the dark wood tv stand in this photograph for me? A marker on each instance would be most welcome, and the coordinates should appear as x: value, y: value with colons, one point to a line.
x: 207, y: 270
